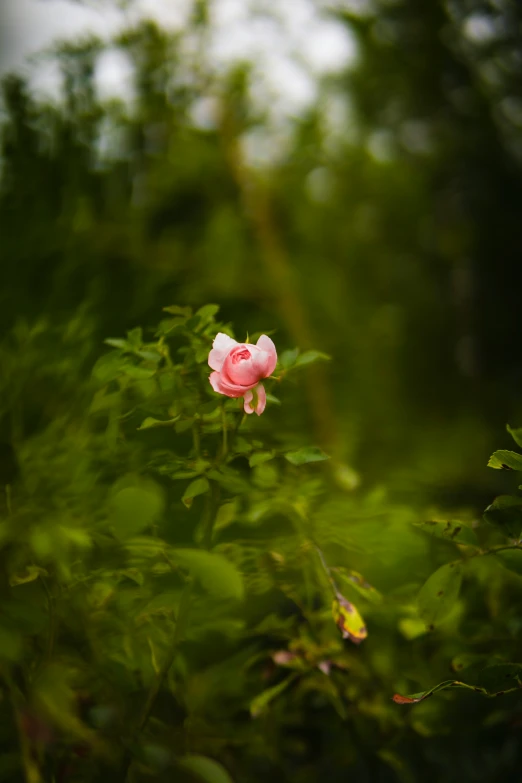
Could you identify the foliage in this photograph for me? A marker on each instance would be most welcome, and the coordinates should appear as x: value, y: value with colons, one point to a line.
x: 169, y: 569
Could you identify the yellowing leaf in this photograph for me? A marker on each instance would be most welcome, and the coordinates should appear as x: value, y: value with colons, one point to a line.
x: 348, y: 620
x: 505, y: 460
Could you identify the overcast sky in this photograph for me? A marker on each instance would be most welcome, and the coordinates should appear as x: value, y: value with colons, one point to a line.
x: 290, y: 50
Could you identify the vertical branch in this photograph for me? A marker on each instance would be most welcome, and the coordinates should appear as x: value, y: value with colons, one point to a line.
x: 259, y: 213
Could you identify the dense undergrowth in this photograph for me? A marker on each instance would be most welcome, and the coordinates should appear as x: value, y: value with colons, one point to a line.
x: 184, y: 586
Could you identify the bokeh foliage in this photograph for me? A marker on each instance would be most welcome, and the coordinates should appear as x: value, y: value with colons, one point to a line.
x: 133, y: 533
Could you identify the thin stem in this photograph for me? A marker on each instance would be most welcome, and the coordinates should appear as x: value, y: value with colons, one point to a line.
x: 31, y: 770
x: 196, y: 437
x: 8, y: 500
x: 184, y: 606
x: 494, y: 550
x: 225, y: 432
x: 328, y: 572
x: 52, y: 617
x: 213, y: 503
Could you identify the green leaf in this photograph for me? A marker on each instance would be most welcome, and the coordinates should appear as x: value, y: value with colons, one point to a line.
x: 450, y: 530
x: 226, y: 515
x: 135, y: 337
x: 359, y: 584
x: 108, y: 367
x: 136, y: 372
x: 133, y: 509
x: 217, y: 575
x: 207, y: 312
x: 511, y: 559
x: 506, y: 513
x: 149, y: 423
x: 195, y: 488
x: 439, y: 593
x: 305, y: 455
x: 260, y: 703
x: 288, y: 358
x: 516, y: 434
x: 506, y: 460
x: 116, y: 343
x: 259, y: 457
x: 207, y: 770
x: 311, y: 357
x: 184, y: 312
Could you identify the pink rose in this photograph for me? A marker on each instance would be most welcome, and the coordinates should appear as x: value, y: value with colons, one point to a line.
x: 239, y: 367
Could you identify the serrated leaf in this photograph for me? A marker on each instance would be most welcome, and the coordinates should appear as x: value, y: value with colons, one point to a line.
x: 439, y: 593
x: 449, y: 530
x: 205, y: 769
x: 195, y: 488
x: 305, y: 455
x: 348, y: 620
x: 506, y: 513
x: 505, y: 460
x: 217, y: 575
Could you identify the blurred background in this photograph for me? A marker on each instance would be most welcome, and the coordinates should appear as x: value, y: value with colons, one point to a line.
x: 345, y: 172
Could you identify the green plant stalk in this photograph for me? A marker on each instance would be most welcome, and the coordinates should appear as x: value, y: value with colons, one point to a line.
x: 31, y: 769
x: 52, y: 617
x: 225, y: 433
x: 196, y: 437
x: 184, y: 606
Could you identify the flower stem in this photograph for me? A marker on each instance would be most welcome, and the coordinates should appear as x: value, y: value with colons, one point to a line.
x: 225, y: 433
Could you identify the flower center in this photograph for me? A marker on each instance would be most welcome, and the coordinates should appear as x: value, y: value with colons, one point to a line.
x: 240, y: 356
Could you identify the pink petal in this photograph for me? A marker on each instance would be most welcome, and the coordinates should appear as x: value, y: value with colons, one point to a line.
x: 248, y: 396
x: 267, y: 346
x: 214, y: 382
x: 261, y: 399
x: 239, y: 370
x: 220, y: 385
x: 221, y: 347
